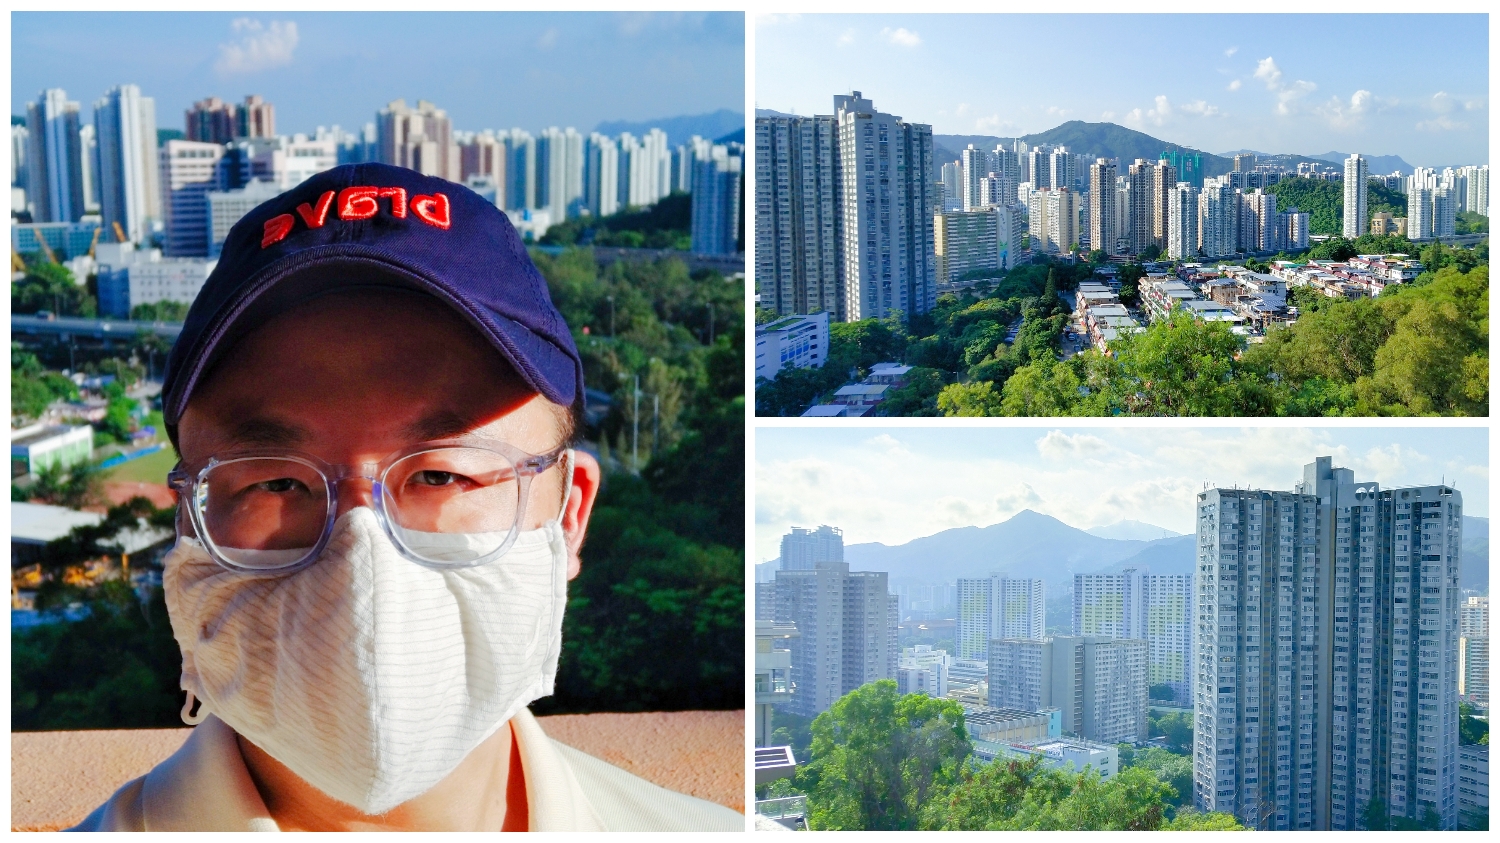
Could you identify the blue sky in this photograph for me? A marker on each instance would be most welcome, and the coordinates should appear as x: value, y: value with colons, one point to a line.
x: 488, y: 70
x: 1410, y: 85
x: 893, y: 485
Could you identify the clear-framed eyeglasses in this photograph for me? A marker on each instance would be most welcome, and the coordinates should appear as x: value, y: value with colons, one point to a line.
x: 455, y: 503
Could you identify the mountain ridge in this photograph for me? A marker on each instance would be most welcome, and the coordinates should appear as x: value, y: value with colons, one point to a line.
x: 712, y: 124
x: 1032, y: 544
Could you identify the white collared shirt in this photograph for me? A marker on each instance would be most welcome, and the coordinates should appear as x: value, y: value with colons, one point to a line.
x: 205, y: 786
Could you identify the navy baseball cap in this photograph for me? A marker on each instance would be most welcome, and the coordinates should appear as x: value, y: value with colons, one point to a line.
x: 375, y: 224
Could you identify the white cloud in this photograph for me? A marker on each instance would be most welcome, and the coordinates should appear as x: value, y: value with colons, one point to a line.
x: 1444, y: 104
x: 1017, y: 498
x: 1056, y: 445
x: 901, y: 37
x: 1267, y: 71
x: 1231, y: 51
x: 772, y: 20
x: 1286, y: 95
x: 1235, y: 85
x: 548, y: 39
x: 992, y: 124
x: 962, y: 109
x: 846, y: 38
x: 1200, y: 108
x: 1344, y: 116
x: 1156, y: 116
x: 1056, y: 111
x: 1108, y: 115
x: 257, y: 46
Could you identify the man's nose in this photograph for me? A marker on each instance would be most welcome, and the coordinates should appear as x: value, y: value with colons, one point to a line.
x: 353, y: 492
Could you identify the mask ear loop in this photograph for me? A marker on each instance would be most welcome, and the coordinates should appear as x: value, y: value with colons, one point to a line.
x: 187, y: 707
x: 567, y: 484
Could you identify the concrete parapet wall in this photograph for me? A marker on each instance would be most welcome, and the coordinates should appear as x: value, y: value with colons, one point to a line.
x: 58, y: 777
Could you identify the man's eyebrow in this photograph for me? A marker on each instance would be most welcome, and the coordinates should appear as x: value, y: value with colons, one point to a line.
x: 259, y: 430
x: 444, y: 424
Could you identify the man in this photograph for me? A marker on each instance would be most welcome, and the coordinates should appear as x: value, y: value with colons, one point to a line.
x: 374, y: 401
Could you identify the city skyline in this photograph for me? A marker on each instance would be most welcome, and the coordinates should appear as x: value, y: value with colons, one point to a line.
x: 893, y: 485
x: 1223, y: 91
x: 180, y: 58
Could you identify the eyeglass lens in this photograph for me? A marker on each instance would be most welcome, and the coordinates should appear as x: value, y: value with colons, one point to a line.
x: 272, y: 504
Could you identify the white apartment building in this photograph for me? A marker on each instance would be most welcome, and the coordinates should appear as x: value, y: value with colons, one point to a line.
x: 803, y: 549
x: 419, y: 139
x: 601, y: 176
x: 1099, y: 684
x: 887, y: 205
x: 964, y: 241
x: 125, y: 131
x: 1474, y: 787
x: 1182, y: 222
x: 1139, y: 178
x: 1444, y: 211
x: 168, y: 279
x: 1356, y: 196
x: 797, y: 216
x: 1474, y: 651
x: 559, y: 162
x: 997, y: 607
x: 773, y: 674
x: 1067, y: 754
x: 845, y: 638
x: 792, y: 342
x: 1418, y: 210
x: 1103, y: 210
x: 1110, y: 605
x: 227, y: 207
x: 1169, y: 633
x: 188, y: 171
x: 1054, y: 219
x: 715, y: 213
x: 1218, y: 218
x: 1298, y: 592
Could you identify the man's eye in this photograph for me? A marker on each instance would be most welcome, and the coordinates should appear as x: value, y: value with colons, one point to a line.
x: 434, y: 478
x: 279, y: 485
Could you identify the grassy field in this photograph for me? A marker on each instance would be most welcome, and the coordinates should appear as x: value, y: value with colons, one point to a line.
x: 148, y: 469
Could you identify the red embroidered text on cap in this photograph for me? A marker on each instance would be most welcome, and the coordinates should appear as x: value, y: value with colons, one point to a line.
x: 360, y: 203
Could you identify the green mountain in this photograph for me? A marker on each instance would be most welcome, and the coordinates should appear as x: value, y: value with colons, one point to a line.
x: 1108, y: 140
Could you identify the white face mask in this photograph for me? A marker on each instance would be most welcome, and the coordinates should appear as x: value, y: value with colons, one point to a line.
x: 368, y: 675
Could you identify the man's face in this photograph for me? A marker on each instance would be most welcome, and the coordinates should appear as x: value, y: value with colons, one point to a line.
x: 351, y: 377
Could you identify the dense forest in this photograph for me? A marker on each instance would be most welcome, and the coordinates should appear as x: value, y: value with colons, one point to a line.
x: 1323, y: 201
x: 1420, y: 348
x: 663, y: 564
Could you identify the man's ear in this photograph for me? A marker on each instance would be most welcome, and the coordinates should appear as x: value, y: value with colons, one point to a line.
x: 575, y: 520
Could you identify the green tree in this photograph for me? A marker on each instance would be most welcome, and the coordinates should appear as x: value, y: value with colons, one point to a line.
x: 51, y: 287
x: 74, y: 487
x: 878, y: 757
x: 162, y: 311
x: 918, y: 397
x: 1176, y: 727
x: 970, y: 399
x: 1471, y: 730
x: 1174, y: 769
x: 1189, y: 819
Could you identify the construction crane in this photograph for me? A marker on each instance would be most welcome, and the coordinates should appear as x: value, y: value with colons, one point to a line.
x: 95, y: 242
x: 120, y: 233
x: 46, y: 250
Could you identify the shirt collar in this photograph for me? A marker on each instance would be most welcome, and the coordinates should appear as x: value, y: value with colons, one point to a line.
x: 205, y: 785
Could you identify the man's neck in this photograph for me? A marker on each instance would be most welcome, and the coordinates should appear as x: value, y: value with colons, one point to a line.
x: 487, y: 792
